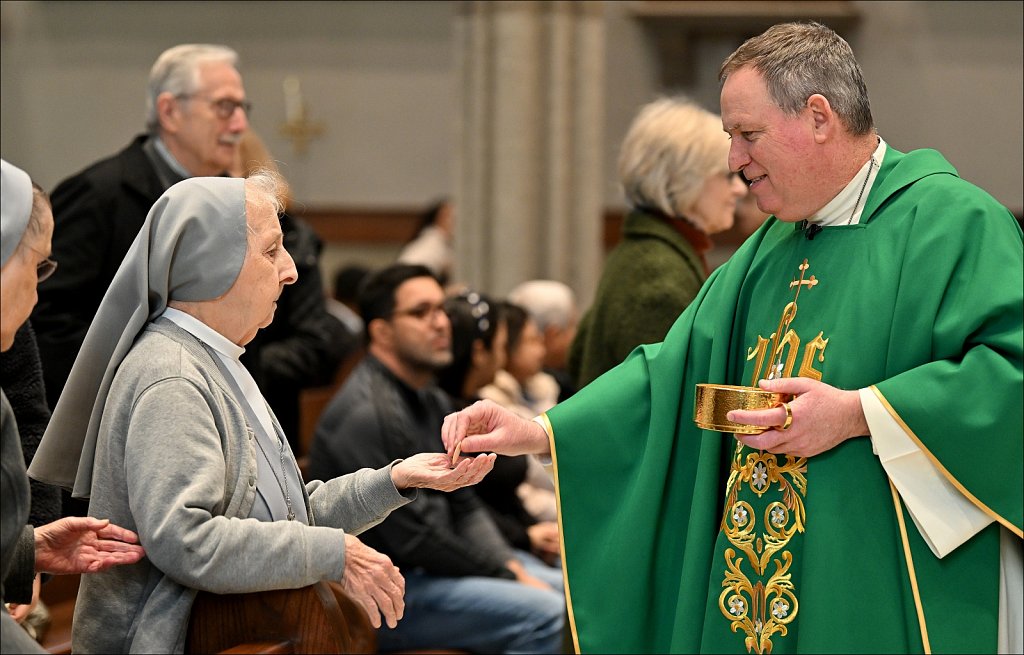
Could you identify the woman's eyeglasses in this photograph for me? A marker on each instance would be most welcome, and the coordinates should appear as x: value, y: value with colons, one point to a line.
x: 45, y: 268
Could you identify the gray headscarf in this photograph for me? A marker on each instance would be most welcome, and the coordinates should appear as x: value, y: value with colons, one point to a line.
x: 15, y: 207
x: 191, y: 248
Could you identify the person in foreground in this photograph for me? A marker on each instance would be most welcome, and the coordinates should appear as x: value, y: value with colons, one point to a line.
x: 880, y: 509
x: 165, y: 432
x: 69, y: 545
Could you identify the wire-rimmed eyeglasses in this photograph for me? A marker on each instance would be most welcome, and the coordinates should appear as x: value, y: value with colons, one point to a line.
x: 45, y: 268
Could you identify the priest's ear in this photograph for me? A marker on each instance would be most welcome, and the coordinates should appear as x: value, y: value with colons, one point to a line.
x: 824, y: 119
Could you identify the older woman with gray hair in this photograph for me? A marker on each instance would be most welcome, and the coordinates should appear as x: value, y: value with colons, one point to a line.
x: 165, y: 432
x: 676, y: 179
x: 72, y: 544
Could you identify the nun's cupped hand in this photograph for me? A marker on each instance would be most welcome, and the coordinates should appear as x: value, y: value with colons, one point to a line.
x: 434, y: 471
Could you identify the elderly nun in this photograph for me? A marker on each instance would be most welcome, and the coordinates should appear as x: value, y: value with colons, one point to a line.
x: 70, y: 545
x: 165, y: 432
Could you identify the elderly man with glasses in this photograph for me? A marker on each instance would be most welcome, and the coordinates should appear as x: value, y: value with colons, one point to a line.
x: 196, y: 115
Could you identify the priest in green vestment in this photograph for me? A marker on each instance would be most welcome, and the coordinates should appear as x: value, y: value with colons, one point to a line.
x: 880, y: 510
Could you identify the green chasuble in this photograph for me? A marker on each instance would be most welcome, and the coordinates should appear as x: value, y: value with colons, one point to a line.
x: 677, y: 540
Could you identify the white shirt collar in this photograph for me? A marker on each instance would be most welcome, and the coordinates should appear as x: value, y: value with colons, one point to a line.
x: 840, y: 210
x: 204, y: 333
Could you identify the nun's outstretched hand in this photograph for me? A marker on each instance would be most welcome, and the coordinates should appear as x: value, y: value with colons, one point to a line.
x: 433, y: 471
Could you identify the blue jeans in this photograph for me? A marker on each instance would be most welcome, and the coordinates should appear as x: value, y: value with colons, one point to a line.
x: 482, y: 615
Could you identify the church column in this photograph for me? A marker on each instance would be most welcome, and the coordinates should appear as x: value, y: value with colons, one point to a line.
x: 530, y: 133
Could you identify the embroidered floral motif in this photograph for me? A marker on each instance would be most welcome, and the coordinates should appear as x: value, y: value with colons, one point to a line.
x: 780, y: 608
x: 737, y: 606
x: 759, y: 603
x: 760, y: 477
x: 739, y: 515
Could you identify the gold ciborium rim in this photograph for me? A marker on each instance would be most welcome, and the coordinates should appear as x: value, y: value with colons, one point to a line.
x: 714, y: 401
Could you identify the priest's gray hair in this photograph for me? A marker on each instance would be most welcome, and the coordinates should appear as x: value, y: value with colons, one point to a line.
x: 176, y: 71
x: 671, y: 148
x: 798, y: 60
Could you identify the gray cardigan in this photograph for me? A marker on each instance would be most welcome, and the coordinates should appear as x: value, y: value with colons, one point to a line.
x: 176, y: 462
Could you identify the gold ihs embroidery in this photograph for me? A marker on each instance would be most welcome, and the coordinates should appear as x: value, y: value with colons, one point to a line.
x: 776, y: 345
x: 758, y: 595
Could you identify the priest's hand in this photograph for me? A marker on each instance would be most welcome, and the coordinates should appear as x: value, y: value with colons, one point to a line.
x: 83, y: 544
x: 486, y: 426
x: 433, y: 471
x: 373, y: 582
x: 823, y: 418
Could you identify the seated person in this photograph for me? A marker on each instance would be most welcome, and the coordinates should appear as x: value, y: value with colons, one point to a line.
x: 523, y: 386
x: 479, y: 334
x: 344, y: 303
x: 465, y: 587
x: 69, y: 545
x: 552, y: 304
x: 166, y: 433
x: 527, y: 390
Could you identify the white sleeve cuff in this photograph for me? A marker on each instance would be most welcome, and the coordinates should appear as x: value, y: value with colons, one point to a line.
x: 944, y: 517
x: 539, y: 420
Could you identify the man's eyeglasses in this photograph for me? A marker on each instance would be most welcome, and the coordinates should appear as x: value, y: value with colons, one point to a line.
x: 45, y: 268
x: 225, y: 107
x: 423, y: 311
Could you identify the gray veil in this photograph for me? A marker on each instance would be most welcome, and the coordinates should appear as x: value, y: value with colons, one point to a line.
x: 191, y: 248
x: 16, y: 194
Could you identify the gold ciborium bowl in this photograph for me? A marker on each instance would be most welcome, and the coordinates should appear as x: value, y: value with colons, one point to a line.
x: 714, y: 401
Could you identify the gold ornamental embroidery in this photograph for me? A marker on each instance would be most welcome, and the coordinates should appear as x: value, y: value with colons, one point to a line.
x: 784, y: 338
x: 764, y: 607
x: 758, y: 596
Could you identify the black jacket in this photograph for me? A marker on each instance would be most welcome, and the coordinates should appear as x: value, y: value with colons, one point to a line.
x: 97, y: 213
x: 375, y: 419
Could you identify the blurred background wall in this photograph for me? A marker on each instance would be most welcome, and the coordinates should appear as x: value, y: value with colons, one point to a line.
x: 383, y: 79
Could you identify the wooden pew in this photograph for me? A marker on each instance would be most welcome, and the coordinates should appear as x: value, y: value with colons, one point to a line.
x: 59, y: 595
x: 320, y: 618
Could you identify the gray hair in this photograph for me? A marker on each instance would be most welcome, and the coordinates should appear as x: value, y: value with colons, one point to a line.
x: 548, y: 302
x: 263, y: 187
x: 176, y: 71
x: 671, y: 148
x: 798, y: 60
x: 40, y: 202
